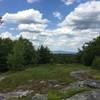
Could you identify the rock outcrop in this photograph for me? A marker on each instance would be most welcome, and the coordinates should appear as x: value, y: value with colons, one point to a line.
x: 91, y: 95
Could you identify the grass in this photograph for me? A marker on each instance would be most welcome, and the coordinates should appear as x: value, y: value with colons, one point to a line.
x: 57, y: 95
x: 95, y: 73
x: 42, y: 72
x: 72, y: 91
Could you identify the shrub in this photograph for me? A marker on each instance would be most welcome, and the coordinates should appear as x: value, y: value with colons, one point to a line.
x: 96, y: 63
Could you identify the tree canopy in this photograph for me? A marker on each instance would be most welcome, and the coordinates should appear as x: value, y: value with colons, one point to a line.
x: 15, y: 55
x: 89, y: 51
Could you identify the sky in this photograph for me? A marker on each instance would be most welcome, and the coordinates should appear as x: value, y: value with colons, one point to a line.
x: 62, y: 25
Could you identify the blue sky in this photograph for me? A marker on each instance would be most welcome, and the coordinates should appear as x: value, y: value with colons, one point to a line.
x: 62, y: 25
x: 44, y: 6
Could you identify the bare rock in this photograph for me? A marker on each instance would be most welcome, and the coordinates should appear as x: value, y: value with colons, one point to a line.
x: 86, y: 83
x: 92, y: 83
x: 91, y: 95
x: 80, y: 74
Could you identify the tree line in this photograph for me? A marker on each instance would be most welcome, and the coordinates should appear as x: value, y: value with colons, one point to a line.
x: 15, y: 55
x: 18, y: 54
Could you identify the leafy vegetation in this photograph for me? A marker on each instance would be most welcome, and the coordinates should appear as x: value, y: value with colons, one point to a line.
x: 21, y: 55
x: 89, y: 52
x: 5, y: 49
x: 96, y: 63
x: 16, y: 55
x: 44, y: 55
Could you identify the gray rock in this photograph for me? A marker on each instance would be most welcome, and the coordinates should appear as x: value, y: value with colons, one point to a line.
x: 77, y: 84
x: 79, y: 74
x: 2, y: 98
x: 15, y: 94
x: 92, y: 83
x: 40, y: 97
x: 91, y: 95
x: 86, y: 83
x: 53, y: 82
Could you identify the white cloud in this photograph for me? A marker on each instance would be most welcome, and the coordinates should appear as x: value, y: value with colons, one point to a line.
x: 6, y: 35
x: 68, y: 2
x: 32, y: 27
x: 28, y: 35
x: 25, y: 16
x: 27, y: 23
x: 80, y: 26
x: 84, y: 22
x: 32, y: 1
x: 57, y: 15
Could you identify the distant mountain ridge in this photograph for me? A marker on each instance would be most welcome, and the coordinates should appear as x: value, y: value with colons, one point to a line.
x: 63, y: 52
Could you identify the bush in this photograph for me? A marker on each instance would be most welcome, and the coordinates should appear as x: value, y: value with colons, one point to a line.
x: 89, y: 51
x: 96, y: 63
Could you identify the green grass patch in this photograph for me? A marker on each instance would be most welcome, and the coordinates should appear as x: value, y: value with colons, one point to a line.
x: 58, y: 72
x: 72, y: 91
x: 57, y: 95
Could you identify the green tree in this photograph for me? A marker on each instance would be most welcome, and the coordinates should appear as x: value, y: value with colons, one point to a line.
x: 5, y: 48
x: 44, y: 55
x: 22, y: 55
x: 89, y: 51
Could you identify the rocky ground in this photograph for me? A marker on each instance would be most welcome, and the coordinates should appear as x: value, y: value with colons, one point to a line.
x: 84, y: 81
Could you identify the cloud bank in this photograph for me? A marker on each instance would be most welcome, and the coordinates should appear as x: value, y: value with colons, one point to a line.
x: 80, y: 26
